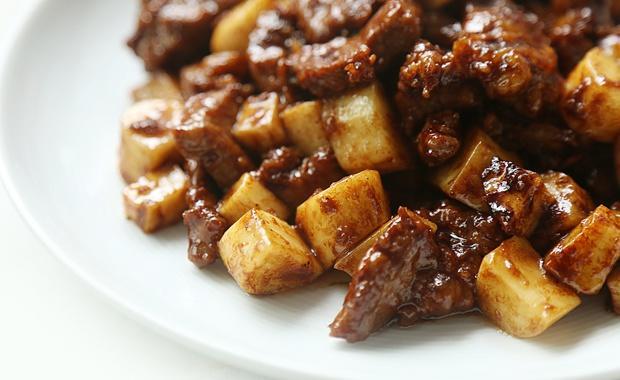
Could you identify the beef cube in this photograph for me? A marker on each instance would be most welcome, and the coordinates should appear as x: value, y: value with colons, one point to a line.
x: 322, y: 20
x: 205, y: 228
x: 430, y: 81
x: 204, y: 135
x: 439, y: 140
x: 214, y: 72
x: 505, y: 49
x: 269, y: 45
x: 294, y: 180
x: 333, y: 67
x: 340, y: 64
x: 173, y: 33
x: 517, y: 197
x: 383, y: 281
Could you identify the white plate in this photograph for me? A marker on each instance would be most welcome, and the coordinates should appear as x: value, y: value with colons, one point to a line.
x: 63, y: 87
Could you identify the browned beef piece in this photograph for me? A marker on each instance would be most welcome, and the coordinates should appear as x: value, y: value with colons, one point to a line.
x: 447, y: 284
x: 576, y: 26
x: 505, y: 48
x: 172, y: 33
x: 219, y: 107
x: 204, y: 135
x: 215, y: 72
x: 392, y: 31
x: 439, y: 140
x: 543, y: 145
x: 343, y: 63
x: 572, y: 35
x: 385, y: 277
x: 270, y: 42
x: 429, y: 82
x: 202, y: 190
x: 436, y: 294
x: 333, y: 67
x: 205, y: 228
x: 517, y: 197
x: 440, y: 28
x: 292, y: 179
x: 322, y: 20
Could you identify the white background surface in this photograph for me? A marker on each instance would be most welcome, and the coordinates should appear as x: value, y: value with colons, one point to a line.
x: 54, y: 326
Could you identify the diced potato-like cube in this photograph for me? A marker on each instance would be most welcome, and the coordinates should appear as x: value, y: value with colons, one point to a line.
x: 339, y: 217
x: 569, y: 205
x: 265, y: 255
x: 304, y: 126
x: 516, y: 197
x: 248, y: 193
x: 591, y: 104
x: 613, y: 283
x: 146, y: 138
x: 584, y: 258
x: 157, y: 199
x: 233, y: 30
x: 515, y: 293
x: 461, y: 177
x: 159, y: 86
x: 258, y: 125
x: 361, y: 129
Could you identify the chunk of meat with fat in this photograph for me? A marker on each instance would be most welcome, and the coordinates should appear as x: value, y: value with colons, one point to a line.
x: 343, y: 63
x: 439, y: 140
x: 430, y: 81
x: 204, y: 135
x: 172, y: 33
x: 505, y: 48
x: 205, y: 226
x: 447, y: 284
x: 517, y: 197
x: 215, y: 72
x: 269, y: 45
x: 292, y: 179
x: 383, y: 280
x: 321, y: 20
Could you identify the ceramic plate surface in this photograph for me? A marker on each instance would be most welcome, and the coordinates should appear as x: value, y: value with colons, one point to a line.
x: 65, y: 82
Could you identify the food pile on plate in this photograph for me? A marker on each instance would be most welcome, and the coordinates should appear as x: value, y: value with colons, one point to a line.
x: 450, y: 156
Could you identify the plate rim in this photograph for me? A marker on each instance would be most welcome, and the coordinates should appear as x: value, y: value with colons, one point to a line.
x: 9, y: 43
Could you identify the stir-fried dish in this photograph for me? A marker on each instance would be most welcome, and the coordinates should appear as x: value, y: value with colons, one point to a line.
x: 449, y: 155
